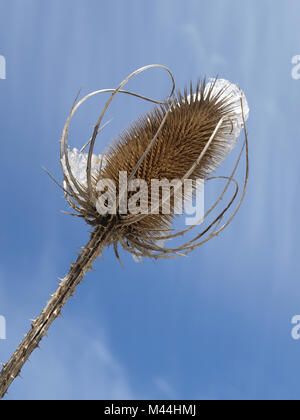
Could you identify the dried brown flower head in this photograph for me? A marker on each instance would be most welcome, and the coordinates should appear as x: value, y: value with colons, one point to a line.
x: 187, y: 136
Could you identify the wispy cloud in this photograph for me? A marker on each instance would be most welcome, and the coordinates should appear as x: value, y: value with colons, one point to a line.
x: 56, y: 371
x: 202, y: 54
x: 164, y: 387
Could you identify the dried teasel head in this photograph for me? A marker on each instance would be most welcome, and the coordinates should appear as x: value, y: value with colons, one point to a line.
x: 185, y: 137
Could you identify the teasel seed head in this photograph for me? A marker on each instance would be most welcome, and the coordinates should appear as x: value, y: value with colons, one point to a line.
x: 185, y: 137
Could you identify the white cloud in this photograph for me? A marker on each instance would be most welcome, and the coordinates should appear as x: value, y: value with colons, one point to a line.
x: 72, y: 364
x: 164, y: 387
x: 200, y: 51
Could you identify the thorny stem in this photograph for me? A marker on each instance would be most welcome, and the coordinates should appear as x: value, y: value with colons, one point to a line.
x: 98, y: 240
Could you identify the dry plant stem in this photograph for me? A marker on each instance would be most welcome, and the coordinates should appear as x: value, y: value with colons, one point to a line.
x: 52, y: 310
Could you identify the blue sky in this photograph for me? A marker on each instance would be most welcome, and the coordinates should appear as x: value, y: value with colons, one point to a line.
x: 215, y: 325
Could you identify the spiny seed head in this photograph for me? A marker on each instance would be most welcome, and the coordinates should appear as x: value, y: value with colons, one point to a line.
x: 164, y: 144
